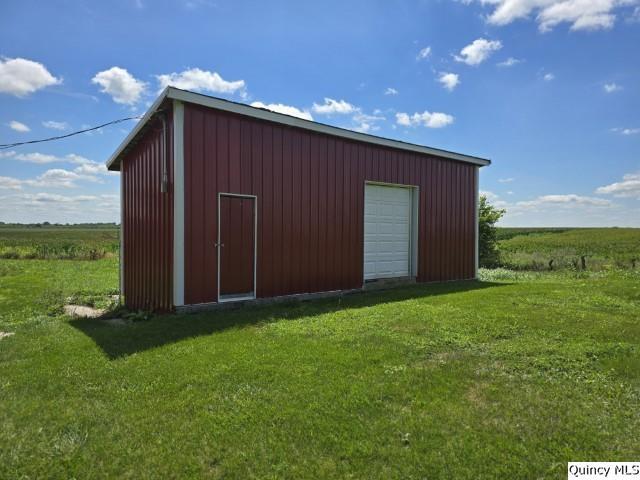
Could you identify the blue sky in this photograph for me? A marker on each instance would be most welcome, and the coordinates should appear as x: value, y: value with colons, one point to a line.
x: 548, y: 89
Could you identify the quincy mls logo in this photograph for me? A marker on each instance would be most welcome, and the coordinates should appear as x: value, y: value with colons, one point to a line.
x: 603, y: 470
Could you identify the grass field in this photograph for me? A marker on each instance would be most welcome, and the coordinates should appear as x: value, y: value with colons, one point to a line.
x: 602, y: 248
x: 508, y: 377
x: 58, y: 243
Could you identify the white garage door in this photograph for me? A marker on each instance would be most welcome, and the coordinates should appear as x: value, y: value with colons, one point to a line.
x: 387, y: 231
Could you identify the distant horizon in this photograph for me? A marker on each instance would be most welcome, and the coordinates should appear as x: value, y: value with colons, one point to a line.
x: 117, y: 224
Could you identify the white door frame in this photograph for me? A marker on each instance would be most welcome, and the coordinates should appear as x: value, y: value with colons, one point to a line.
x: 255, y: 245
x: 413, y: 227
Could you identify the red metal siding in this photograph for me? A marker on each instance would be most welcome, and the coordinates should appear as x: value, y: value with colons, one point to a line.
x: 148, y: 223
x: 310, y: 199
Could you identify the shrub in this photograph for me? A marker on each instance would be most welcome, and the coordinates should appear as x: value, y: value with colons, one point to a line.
x: 488, y: 241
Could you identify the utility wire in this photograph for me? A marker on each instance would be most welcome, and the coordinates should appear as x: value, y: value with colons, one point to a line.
x: 5, y: 146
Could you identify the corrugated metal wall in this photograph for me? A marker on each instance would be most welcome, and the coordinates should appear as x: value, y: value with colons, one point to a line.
x: 148, y: 222
x: 310, y: 190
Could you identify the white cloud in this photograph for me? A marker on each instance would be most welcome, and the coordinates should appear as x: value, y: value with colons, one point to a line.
x: 194, y: 4
x: 581, y: 14
x: 365, y: 123
x: 123, y: 87
x: 506, y: 180
x: 87, y: 169
x: 478, y: 51
x: 403, y: 119
x: 568, y: 200
x: 424, y: 53
x: 611, y: 87
x: 59, y: 178
x: 548, y: 77
x: 509, y: 62
x: 562, y: 210
x: 56, y: 208
x: 628, y: 187
x: 547, y: 202
x: 331, y: 106
x: 391, y: 91
x: 18, y: 126
x: 492, y: 197
x: 34, y: 157
x: 449, y: 80
x: 200, y: 81
x: 20, y: 77
x: 10, y: 183
x: 361, y: 122
x: 55, y: 198
x: 93, y: 168
x: 77, y: 159
x: 53, y: 178
x: 286, y: 109
x: 428, y: 119
x: 365, y: 127
x: 626, y: 131
x: 53, y: 125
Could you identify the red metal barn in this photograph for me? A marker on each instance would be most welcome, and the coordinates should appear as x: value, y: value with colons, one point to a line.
x: 224, y: 202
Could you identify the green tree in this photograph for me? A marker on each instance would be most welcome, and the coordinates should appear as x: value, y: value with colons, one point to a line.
x: 488, y: 217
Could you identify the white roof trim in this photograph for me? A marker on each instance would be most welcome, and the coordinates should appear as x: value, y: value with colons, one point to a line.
x: 242, y: 109
x: 114, y: 159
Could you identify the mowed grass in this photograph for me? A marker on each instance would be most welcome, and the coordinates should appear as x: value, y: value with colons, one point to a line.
x: 602, y: 248
x: 510, y: 377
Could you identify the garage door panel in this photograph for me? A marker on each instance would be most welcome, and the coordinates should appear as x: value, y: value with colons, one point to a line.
x: 386, y: 211
x: 401, y: 229
x: 387, y: 231
x: 386, y: 228
x: 370, y: 227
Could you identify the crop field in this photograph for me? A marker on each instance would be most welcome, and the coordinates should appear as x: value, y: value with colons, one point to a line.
x: 600, y: 248
x: 58, y: 243
x: 511, y: 376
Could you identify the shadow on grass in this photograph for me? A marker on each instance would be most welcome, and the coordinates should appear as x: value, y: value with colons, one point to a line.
x: 122, y: 340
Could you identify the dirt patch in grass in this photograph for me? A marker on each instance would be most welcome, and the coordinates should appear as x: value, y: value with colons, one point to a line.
x: 82, y: 311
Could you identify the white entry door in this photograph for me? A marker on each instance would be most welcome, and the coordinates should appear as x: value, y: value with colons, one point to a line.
x: 387, y: 231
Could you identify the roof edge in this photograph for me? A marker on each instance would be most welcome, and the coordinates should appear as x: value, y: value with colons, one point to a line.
x: 114, y: 159
x: 240, y: 108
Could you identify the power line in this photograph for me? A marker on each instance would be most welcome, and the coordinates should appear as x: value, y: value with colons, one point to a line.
x: 4, y: 146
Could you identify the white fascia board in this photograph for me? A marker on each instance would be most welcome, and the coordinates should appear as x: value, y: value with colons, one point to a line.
x: 139, y: 126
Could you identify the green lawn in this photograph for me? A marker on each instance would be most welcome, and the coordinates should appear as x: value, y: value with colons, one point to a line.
x: 510, y: 377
